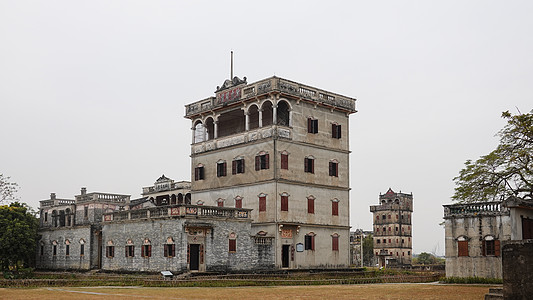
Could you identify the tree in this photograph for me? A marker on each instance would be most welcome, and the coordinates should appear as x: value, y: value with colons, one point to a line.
x: 7, y: 189
x: 368, y: 250
x: 18, y: 236
x: 425, y: 258
x: 506, y: 171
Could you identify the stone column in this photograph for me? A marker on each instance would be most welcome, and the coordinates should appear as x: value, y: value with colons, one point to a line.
x: 290, y: 118
x: 246, y: 121
x: 193, y: 134
x: 274, y: 114
x: 216, y: 129
x: 260, y: 118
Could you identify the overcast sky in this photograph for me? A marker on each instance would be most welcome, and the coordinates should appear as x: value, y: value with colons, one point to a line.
x: 92, y: 93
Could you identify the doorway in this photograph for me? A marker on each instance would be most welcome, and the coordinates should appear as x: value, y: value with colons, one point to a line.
x: 194, y: 263
x: 285, y: 252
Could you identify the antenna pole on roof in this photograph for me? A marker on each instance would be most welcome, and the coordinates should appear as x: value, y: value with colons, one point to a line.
x: 231, y: 74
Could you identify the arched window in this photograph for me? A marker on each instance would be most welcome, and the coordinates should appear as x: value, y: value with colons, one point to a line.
x: 283, y: 113
x: 232, y: 242
x: 267, y: 113
x: 199, y: 132
x: 462, y: 246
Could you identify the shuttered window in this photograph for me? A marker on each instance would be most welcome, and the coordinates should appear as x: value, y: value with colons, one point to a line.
x: 110, y: 251
x: 309, y: 165
x: 169, y: 250
x: 262, y: 162
x: 335, y: 131
x: 462, y: 248
x: 199, y: 173
x: 309, y: 242
x: 130, y: 251
x: 335, y: 243
x: 221, y: 169
x: 232, y: 245
x: 146, y: 250
x: 237, y: 166
x: 312, y: 125
x: 335, y: 208
x: 262, y: 203
x: 238, y: 203
x: 333, y: 169
x: 284, y: 203
x: 285, y: 161
x: 310, y: 205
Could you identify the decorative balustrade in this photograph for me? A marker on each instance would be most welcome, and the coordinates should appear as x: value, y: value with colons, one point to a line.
x: 179, y: 210
x: 102, y: 197
x: 56, y: 202
x: 390, y: 206
x: 273, y: 84
x: 480, y: 208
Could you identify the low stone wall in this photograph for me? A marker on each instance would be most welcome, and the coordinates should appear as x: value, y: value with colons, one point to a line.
x: 518, y: 269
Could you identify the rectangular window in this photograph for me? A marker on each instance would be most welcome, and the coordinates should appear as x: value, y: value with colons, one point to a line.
x: 238, y: 203
x: 146, y: 250
x: 378, y: 241
x: 262, y: 203
x: 54, y: 250
x: 491, y: 248
x: 285, y: 161
x: 310, y: 205
x: 335, y: 131
x: 462, y: 248
x: 67, y: 250
x: 284, y: 203
x: 42, y: 249
x: 46, y: 216
x: 312, y: 125
x: 309, y: 242
x: 82, y: 249
x: 335, y: 243
x: 221, y: 169
x: 335, y: 208
x: 85, y: 212
x: 333, y: 169
x: 237, y: 166
x: 232, y: 245
x: 309, y: 165
x: 199, y: 173
x: 169, y: 250
x: 130, y: 251
x: 261, y: 162
x: 220, y: 203
x: 110, y: 251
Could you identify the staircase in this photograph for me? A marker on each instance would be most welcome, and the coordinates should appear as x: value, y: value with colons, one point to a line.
x: 494, y: 294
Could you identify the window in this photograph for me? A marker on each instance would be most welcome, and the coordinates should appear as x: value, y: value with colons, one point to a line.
x: 310, y: 241
x: 334, y: 168
x: 220, y: 202
x: 334, y: 207
x: 232, y: 242
x: 54, y: 250
x: 130, y: 251
x: 238, y: 202
x: 491, y: 246
x: 199, y: 173
x: 221, y: 169
x: 335, y: 131
x: 46, y: 216
x: 262, y: 203
x: 110, y: 251
x: 67, y: 249
x: 42, y: 249
x: 462, y: 246
x: 261, y: 161
x: 378, y: 241
x: 284, y: 202
x: 284, y: 161
x: 146, y: 250
x: 309, y: 165
x: 82, y: 249
x: 310, y: 205
x: 86, y: 212
x: 335, y: 242
x: 237, y: 166
x: 312, y: 125
x: 169, y: 250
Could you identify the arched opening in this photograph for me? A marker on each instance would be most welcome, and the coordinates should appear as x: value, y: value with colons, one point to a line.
x: 69, y: 216
x: 253, y: 117
x: 231, y: 122
x: 180, y: 198
x: 199, y: 132
x: 267, y: 113
x: 54, y: 218
x: 210, y: 128
x: 188, y: 198
x: 283, y: 113
x: 173, y: 199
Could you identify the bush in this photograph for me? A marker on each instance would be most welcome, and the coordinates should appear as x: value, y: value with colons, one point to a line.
x: 470, y: 280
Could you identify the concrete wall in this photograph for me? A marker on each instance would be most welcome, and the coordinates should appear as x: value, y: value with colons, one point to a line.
x: 62, y: 261
x: 475, y: 228
x: 518, y: 269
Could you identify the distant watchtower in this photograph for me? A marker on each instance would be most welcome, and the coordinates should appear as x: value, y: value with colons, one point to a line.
x: 392, y: 228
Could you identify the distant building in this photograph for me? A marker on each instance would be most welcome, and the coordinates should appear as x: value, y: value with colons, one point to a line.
x: 356, y: 248
x: 475, y: 232
x: 393, y: 229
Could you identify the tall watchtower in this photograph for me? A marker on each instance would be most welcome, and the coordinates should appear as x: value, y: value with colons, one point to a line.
x: 392, y: 228
x: 280, y: 148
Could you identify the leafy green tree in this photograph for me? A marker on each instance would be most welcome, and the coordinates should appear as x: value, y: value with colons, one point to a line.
x: 425, y: 258
x: 368, y: 250
x: 506, y: 171
x: 18, y: 236
x: 7, y: 189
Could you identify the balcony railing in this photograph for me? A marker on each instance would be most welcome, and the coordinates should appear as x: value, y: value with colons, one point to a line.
x: 469, y: 209
x: 262, y: 87
x: 103, y: 197
x: 179, y: 210
x: 56, y: 202
x: 390, y: 206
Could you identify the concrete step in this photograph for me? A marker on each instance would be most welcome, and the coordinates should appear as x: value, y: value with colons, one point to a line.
x: 494, y: 294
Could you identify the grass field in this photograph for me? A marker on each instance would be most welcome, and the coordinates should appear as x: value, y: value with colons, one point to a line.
x: 331, y: 292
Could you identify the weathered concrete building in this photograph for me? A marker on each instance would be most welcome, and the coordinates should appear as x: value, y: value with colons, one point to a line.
x: 475, y: 233
x: 270, y: 189
x: 280, y: 148
x: 393, y: 229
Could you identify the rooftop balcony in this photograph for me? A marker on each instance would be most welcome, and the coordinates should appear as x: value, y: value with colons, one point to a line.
x: 390, y: 206
x: 473, y: 209
x: 263, y: 87
x: 174, y: 211
x: 103, y: 197
x: 56, y: 202
x: 185, y: 185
